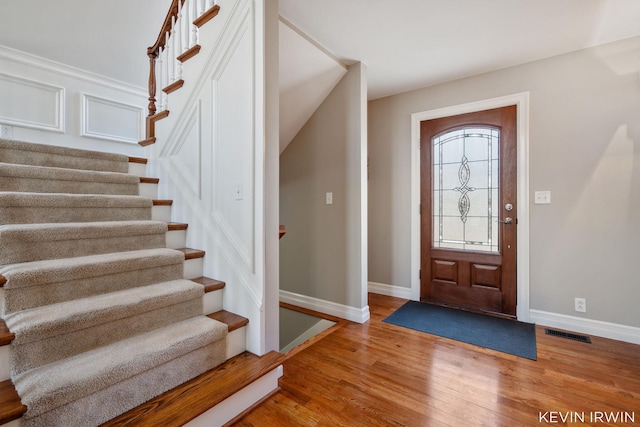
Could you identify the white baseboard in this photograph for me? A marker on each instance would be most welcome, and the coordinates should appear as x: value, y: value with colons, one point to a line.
x: 354, y: 314
x: 390, y: 290
x: 598, y: 328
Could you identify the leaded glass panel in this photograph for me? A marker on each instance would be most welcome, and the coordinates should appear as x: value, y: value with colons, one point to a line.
x: 466, y: 188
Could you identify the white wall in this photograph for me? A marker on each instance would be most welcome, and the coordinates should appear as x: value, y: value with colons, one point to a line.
x: 323, y: 255
x: 584, y: 147
x: 52, y: 103
x: 210, y: 155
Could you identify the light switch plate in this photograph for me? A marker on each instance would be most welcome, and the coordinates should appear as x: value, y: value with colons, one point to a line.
x: 329, y: 198
x: 542, y: 198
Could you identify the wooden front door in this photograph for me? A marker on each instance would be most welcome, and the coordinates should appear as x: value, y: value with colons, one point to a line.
x: 469, y: 211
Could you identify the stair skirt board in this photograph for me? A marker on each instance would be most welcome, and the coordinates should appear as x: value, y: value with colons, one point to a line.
x: 83, y: 245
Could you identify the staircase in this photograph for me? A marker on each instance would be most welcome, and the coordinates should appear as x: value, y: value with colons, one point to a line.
x: 104, y: 306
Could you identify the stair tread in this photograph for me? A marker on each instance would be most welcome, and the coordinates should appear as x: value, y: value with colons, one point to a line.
x: 147, y: 141
x: 232, y: 320
x: 6, y: 337
x: 94, y: 370
x: 185, y: 402
x: 66, y: 317
x: 189, y: 53
x: 140, y: 160
x: 32, y: 199
x: 210, y: 285
x: 147, y: 180
x: 65, y: 174
x: 45, y: 154
x: 11, y: 407
x: 207, y: 16
x: 162, y: 202
x: 173, y: 226
x: 191, y: 253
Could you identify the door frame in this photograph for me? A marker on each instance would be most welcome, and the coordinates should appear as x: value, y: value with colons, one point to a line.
x: 521, y: 100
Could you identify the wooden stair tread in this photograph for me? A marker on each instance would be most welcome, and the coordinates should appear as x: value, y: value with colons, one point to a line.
x: 209, y: 284
x: 3, y: 280
x: 159, y: 116
x: 146, y: 180
x: 140, y: 160
x: 191, y: 253
x: 11, y: 407
x: 147, y: 141
x: 185, y: 402
x: 6, y: 336
x: 189, y: 53
x: 161, y: 202
x: 179, y: 405
x: 233, y: 321
x: 207, y: 16
x: 173, y: 226
x: 173, y: 86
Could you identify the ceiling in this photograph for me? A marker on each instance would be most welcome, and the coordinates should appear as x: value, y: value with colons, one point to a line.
x: 405, y: 44
x: 408, y: 44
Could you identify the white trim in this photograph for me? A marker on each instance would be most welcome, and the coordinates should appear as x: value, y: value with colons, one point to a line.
x: 320, y: 326
x: 390, y: 290
x: 73, y: 72
x: 599, y: 328
x: 354, y: 314
x: 313, y: 41
x: 86, y: 131
x: 58, y: 105
x: 521, y: 100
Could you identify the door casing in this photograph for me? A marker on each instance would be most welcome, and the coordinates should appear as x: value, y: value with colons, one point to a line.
x: 521, y: 100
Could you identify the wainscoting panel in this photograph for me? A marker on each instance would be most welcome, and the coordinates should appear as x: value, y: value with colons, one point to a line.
x: 31, y: 104
x: 99, y: 114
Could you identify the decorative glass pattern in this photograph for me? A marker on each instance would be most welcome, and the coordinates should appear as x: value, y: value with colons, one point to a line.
x: 465, y: 189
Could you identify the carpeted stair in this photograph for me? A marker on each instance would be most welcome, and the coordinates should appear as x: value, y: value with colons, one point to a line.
x: 103, y: 320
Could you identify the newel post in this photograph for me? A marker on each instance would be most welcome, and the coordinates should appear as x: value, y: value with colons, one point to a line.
x: 152, y: 54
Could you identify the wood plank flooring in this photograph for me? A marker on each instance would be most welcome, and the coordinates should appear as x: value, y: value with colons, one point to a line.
x: 379, y: 374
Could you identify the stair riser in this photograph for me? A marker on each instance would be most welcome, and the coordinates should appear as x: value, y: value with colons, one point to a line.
x: 137, y: 169
x: 15, y: 252
x: 38, y: 353
x: 148, y: 190
x: 212, y: 302
x: 31, y: 215
x: 11, y: 152
x: 108, y: 403
x: 161, y: 213
x: 71, y: 187
x: 65, y: 290
x: 236, y: 342
x: 193, y: 268
x: 176, y: 239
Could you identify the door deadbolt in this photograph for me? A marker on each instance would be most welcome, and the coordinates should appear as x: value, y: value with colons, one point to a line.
x: 508, y: 206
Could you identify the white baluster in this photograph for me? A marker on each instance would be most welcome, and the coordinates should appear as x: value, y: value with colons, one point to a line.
x: 202, y: 7
x: 193, y: 37
x: 210, y: 4
x: 178, y: 30
x: 172, y: 54
x: 159, y: 79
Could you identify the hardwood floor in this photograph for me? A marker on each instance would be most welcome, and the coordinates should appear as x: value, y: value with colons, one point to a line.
x: 379, y: 374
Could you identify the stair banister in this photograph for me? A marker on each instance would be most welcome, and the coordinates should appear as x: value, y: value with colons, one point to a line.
x: 178, y: 34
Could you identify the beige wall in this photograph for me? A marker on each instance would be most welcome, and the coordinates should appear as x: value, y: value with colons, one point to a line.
x: 584, y: 146
x: 323, y: 254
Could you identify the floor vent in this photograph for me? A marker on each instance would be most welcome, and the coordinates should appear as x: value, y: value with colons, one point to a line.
x: 568, y: 335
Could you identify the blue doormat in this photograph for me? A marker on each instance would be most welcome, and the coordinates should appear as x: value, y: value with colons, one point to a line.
x: 507, y: 336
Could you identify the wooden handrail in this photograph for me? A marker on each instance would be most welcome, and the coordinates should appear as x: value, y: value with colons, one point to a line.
x: 153, y: 51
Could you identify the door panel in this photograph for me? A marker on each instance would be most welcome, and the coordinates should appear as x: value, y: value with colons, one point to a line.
x: 468, y: 196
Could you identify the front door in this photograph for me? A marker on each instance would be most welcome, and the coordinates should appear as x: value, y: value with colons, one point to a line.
x: 469, y: 211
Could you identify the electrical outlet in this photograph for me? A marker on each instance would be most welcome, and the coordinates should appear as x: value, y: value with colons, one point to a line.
x: 542, y: 198
x: 581, y: 305
x: 6, y: 132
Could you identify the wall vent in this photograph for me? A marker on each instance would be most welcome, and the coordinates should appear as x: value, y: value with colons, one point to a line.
x: 568, y: 335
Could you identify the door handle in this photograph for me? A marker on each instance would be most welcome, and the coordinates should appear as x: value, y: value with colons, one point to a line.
x: 507, y: 221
